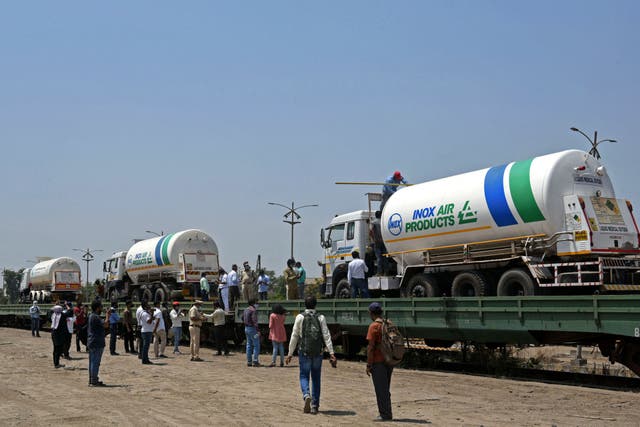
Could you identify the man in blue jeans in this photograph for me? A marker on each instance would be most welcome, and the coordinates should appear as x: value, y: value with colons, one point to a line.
x: 34, y: 312
x: 311, y: 332
x: 357, y: 276
x: 146, y: 328
x: 95, y: 343
x: 250, y: 318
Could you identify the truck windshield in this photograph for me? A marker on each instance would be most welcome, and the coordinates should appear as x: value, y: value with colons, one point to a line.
x: 336, y: 233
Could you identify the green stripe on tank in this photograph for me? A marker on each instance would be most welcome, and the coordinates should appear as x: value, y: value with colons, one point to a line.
x: 165, y: 245
x: 522, y: 193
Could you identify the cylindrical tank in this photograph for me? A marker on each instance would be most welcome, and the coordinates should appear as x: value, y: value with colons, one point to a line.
x: 516, y: 199
x: 43, y: 274
x: 160, y: 254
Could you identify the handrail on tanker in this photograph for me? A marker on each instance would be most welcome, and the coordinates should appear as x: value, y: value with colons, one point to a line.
x: 507, y: 239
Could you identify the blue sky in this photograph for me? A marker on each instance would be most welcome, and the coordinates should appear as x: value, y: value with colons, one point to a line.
x: 121, y: 117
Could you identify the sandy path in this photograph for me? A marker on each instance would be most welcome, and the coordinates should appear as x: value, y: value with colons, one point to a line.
x: 225, y: 391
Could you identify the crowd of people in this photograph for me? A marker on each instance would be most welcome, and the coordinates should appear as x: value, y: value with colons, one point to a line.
x: 310, y: 335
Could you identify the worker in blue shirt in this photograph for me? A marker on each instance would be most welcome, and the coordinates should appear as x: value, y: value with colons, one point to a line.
x: 114, y: 318
x: 388, y: 188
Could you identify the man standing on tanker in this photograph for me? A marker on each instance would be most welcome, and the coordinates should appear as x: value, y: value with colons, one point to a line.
x: 391, y: 186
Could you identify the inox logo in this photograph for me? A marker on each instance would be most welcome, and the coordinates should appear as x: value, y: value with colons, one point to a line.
x: 395, y: 224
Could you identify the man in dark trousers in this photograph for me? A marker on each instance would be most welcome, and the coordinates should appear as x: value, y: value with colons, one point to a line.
x: 379, y: 372
x: 59, y: 331
x: 95, y: 343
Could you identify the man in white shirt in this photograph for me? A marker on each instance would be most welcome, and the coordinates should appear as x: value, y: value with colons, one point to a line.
x: 177, y: 317
x: 356, y: 274
x: 311, y: 336
x: 159, y: 332
x: 146, y: 328
x: 232, y: 284
x: 139, y: 311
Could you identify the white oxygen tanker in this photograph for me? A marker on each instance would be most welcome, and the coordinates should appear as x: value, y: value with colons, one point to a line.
x: 57, y: 278
x: 549, y: 222
x: 162, y: 268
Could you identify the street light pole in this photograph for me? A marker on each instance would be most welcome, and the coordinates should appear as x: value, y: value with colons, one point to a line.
x: 594, y: 143
x: 291, y: 216
x: 155, y: 233
x: 87, y: 256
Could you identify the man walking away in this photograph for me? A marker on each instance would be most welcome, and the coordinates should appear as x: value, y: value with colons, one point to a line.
x: 127, y: 319
x: 219, y: 321
x: 379, y: 371
x: 311, y: 331
x: 250, y: 319
x: 114, y: 319
x: 204, y: 287
x: 34, y: 312
x: 356, y: 274
x: 139, y: 312
x: 159, y: 332
x: 95, y: 343
x: 302, y: 277
x: 177, y: 317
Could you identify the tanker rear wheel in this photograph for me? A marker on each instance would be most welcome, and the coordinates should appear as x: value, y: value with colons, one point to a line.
x: 343, y: 290
x: 469, y: 284
x: 516, y: 282
x: 146, y: 294
x: 421, y: 285
x: 160, y: 294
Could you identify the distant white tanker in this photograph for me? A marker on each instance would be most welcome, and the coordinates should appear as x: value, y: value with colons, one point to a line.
x: 551, y: 221
x: 163, y: 267
x: 57, y: 278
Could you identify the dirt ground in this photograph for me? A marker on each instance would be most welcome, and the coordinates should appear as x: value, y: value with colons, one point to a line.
x: 223, y: 390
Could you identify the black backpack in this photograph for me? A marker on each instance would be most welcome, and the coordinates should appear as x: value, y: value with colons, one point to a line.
x: 311, y: 341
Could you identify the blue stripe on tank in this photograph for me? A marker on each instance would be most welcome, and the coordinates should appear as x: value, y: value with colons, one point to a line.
x: 159, y: 250
x: 495, y: 196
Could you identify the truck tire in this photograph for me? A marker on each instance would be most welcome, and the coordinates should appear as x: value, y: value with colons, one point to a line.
x: 469, y: 284
x: 516, y: 282
x: 421, y: 285
x: 343, y: 290
x: 146, y: 294
x: 160, y: 294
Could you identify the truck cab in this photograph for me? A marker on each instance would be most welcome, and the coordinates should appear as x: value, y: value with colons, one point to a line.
x: 344, y: 234
x: 116, y: 278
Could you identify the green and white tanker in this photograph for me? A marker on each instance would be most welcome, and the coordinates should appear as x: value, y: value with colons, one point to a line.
x: 162, y: 268
x: 522, y: 228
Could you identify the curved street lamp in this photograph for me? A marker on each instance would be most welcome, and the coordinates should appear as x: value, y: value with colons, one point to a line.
x: 155, y: 233
x: 291, y: 216
x: 594, y: 143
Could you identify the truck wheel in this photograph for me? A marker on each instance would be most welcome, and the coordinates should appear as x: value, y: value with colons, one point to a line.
x: 343, y: 290
x: 421, y: 285
x: 516, y: 282
x: 160, y: 294
x: 469, y: 284
x: 145, y: 294
x: 113, y: 296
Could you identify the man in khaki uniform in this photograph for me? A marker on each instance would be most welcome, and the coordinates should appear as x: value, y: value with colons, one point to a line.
x: 291, y: 280
x: 196, y: 317
x: 248, y: 280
